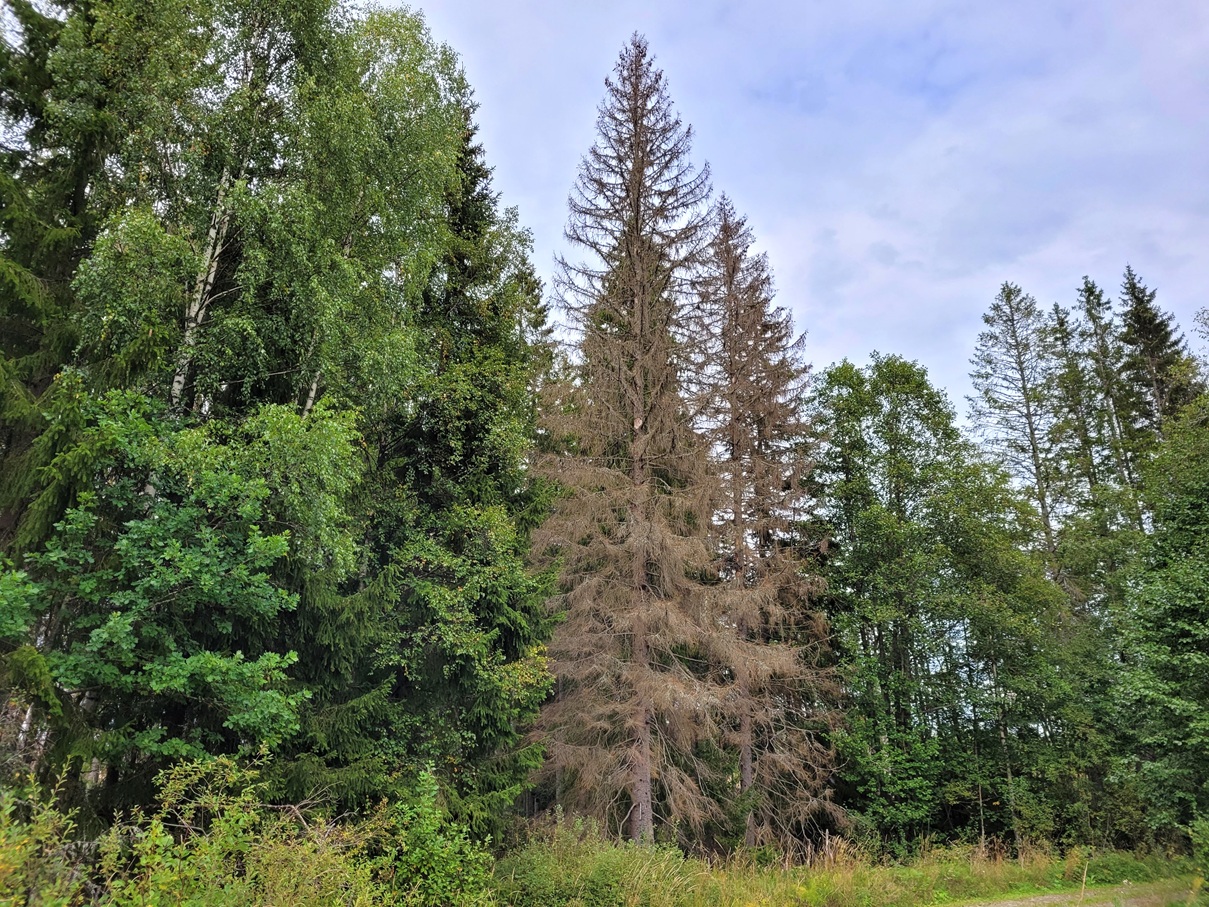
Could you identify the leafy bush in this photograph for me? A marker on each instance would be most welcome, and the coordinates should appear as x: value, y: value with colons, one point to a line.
x: 213, y: 843
x: 37, y: 865
x: 431, y: 860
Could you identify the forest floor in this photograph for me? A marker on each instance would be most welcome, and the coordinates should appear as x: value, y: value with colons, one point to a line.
x: 1149, y: 894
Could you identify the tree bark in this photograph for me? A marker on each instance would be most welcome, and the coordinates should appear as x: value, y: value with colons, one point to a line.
x: 195, y: 313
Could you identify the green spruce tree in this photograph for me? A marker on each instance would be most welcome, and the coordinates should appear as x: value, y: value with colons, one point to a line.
x: 1157, y: 359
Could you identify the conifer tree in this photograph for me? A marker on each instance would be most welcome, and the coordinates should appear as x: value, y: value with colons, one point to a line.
x: 778, y: 696
x: 1157, y: 359
x: 634, y: 698
x: 63, y: 116
x: 1118, y: 399
x: 1076, y: 434
x: 1012, y: 375
x: 454, y: 667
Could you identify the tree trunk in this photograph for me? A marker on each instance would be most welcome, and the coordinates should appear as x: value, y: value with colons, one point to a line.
x: 746, y: 773
x: 195, y: 313
x: 642, y: 813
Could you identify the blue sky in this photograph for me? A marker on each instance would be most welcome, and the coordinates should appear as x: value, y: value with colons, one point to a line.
x: 897, y: 160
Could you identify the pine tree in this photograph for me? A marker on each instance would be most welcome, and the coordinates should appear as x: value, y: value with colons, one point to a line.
x: 634, y: 696
x: 1076, y: 433
x: 778, y: 697
x: 1118, y: 400
x: 1095, y: 452
x: 1157, y: 360
x: 50, y: 166
x: 457, y: 660
x: 1013, y: 373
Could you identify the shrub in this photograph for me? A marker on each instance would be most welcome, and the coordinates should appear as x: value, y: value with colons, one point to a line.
x: 213, y: 843
x: 38, y: 865
x: 1198, y: 832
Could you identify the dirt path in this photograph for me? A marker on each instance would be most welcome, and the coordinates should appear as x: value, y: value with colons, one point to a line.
x: 1152, y: 894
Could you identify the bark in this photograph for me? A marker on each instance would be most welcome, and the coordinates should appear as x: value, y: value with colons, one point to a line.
x: 310, y: 395
x: 199, y: 301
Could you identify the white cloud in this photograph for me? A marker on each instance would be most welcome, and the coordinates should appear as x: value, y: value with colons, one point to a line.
x: 898, y: 160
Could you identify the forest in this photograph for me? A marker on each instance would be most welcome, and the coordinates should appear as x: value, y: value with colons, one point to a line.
x: 331, y: 539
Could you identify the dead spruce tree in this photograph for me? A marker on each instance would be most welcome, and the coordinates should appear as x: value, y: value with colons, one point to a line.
x: 633, y: 702
x: 778, y: 698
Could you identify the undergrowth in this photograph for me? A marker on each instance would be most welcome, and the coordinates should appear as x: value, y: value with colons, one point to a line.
x: 212, y: 843
x: 571, y: 865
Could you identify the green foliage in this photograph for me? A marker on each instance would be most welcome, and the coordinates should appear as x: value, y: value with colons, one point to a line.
x: 1198, y: 832
x: 431, y: 860
x: 574, y: 864
x: 212, y: 841
x: 155, y: 595
x: 951, y: 636
x: 453, y: 620
x: 1167, y: 686
x: 1157, y: 360
x: 38, y: 863
x: 266, y: 354
x: 17, y: 597
x: 130, y: 289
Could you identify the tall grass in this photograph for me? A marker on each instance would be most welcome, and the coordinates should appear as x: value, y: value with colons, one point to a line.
x: 571, y: 865
x: 212, y: 843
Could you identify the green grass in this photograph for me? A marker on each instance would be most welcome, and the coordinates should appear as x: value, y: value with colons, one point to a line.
x: 571, y: 866
x: 246, y: 853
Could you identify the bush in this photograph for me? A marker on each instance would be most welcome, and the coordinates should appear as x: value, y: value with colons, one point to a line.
x: 1198, y: 832
x: 572, y: 864
x: 213, y: 843
x: 431, y: 860
x: 38, y: 865
x: 1114, y: 867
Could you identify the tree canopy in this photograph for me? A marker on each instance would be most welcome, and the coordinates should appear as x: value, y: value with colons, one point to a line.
x: 295, y: 476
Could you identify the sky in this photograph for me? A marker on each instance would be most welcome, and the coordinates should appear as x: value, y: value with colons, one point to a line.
x: 898, y: 161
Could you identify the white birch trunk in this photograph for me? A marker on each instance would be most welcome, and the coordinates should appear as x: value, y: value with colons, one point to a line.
x: 195, y: 314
